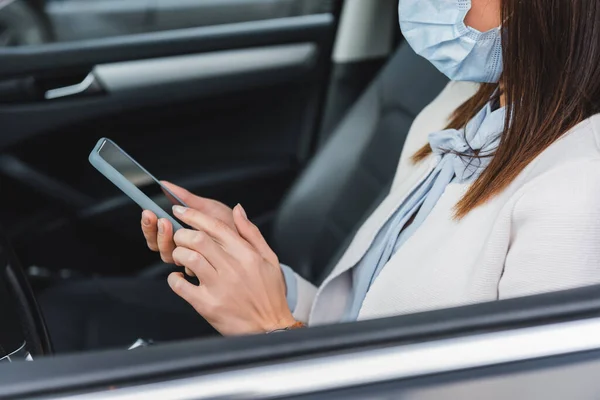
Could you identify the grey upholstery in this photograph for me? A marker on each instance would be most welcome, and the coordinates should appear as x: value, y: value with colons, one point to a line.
x: 352, y: 172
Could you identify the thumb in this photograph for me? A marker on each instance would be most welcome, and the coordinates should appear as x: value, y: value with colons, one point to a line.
x: 252, y: 234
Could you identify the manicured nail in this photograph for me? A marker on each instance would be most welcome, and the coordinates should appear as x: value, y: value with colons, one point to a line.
x: 145, y: 219
x: 172, y: 279
x: 179, y: 210
x: 242, y: 211
x: 161, y: 227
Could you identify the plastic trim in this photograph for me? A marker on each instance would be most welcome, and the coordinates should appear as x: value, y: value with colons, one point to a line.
x: 373, y: 366
x: 153, y: 72
x: 365, y: 31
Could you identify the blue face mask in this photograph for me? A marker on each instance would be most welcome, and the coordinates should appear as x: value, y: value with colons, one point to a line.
x: 436, y: 30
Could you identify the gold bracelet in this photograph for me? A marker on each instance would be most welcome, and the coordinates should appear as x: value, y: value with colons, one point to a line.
x: 297, y: 325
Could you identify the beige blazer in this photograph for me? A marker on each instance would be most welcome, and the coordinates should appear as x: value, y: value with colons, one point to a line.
x: 541, y: 234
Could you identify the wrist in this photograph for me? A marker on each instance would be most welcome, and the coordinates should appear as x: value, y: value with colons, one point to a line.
x: 284, y: 324
x: 294, y: 326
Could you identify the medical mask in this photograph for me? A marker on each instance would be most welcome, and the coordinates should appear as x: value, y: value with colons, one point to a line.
x: 436, y: 30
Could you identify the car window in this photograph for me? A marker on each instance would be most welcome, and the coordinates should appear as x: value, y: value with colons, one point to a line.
x: 34, y: 22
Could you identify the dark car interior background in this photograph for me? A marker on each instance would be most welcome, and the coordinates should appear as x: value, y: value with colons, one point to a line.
x: 232, y: 112
x: 297, y: 109
x: 239, y: 134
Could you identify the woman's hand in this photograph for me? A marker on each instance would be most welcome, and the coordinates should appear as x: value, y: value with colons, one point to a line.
x: 159, y: 233
x: 242, y: 289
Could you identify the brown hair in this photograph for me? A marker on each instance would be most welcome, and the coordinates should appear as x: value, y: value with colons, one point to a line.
x: 551, y: 82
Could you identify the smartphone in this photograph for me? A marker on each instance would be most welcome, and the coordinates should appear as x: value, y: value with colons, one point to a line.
x: 135, y: 181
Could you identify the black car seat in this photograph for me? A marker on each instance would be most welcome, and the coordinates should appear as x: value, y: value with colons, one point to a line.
x: 350, y: 175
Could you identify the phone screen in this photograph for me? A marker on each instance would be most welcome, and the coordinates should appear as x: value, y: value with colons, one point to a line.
x: 137, y: 175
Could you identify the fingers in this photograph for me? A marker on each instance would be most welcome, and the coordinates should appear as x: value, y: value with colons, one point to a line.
x: 165, y: 240
x: 188, y: 271
x: 150, y: 229
x: 252, y: 234
x: 183, y: 288
x: 196, y: 202
x: 215, y: 228
x: 202, y: 243
x: 196, y: 264
x: 180, y: 192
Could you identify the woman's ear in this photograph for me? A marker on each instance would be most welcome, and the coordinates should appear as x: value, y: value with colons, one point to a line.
x: 484, y: 15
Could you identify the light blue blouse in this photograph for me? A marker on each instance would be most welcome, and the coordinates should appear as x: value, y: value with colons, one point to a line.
x: 481, y: 135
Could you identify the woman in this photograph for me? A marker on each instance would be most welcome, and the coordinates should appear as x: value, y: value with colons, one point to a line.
x: 504, y: 202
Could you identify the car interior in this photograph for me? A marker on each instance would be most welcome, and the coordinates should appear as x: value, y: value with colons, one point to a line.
x: 300, y: 118
x: 255, y: 146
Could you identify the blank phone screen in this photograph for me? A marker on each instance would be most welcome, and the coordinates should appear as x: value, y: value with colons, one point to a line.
x: 135, y: 174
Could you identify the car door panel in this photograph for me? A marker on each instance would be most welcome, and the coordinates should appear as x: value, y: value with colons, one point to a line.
x: 79, y: 20
x: 50, y: 57
x: 573, y: 376
x: 228, y: 111
x: 73, y: 20
x: 452, y: 353
x: 159, y: 81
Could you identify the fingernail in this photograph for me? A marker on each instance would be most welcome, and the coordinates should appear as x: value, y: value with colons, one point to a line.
x: 171, y: 279
x: 179, y: 210
x: 242, y: 211
x: 145, y: 219
x: 161, y: 227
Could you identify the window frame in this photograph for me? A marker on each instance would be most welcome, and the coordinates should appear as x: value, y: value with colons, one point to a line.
x: 431, y: 342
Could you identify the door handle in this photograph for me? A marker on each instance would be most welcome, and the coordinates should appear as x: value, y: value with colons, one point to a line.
x: 89, y: 85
